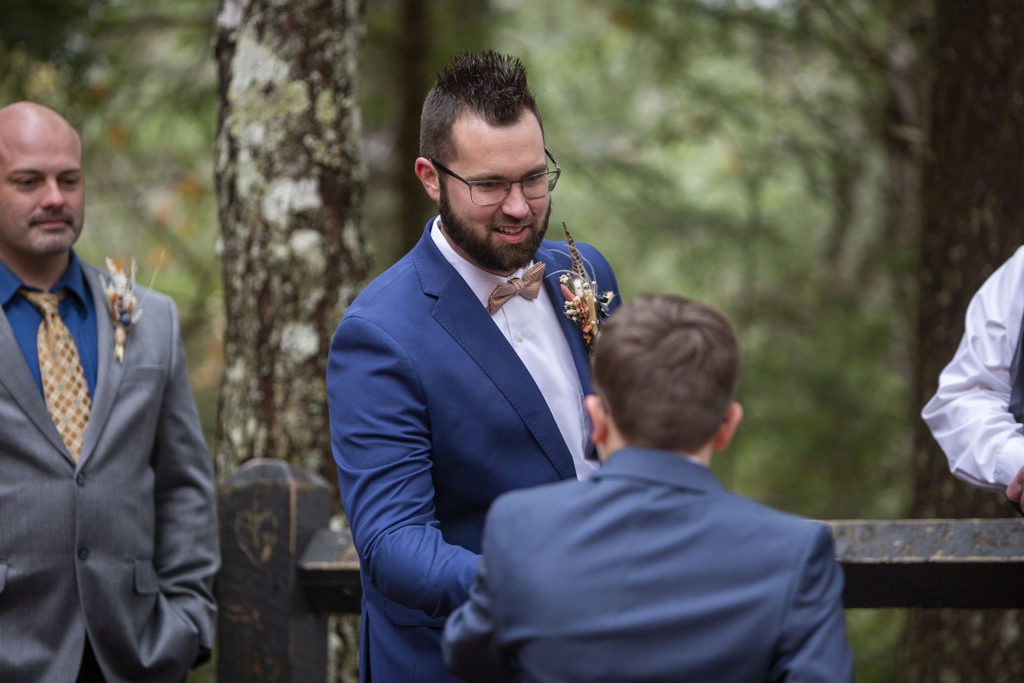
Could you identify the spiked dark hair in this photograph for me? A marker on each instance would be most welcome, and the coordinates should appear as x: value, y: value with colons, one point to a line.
x: 490, y: 85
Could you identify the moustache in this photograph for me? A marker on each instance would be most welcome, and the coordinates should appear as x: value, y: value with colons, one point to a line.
x: 62, y: 216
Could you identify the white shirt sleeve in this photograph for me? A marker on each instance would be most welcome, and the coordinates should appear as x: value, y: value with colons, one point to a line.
x: 969, y: 413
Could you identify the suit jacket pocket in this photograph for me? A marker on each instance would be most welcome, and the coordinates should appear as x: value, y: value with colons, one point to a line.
x: 400, y: 615
x: 145, y: 578
x: 144, y: 373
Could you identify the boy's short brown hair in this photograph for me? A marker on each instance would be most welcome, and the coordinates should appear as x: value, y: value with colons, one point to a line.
x: 666, y: 368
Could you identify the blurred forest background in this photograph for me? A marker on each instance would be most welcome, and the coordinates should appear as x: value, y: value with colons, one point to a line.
x: 761, y: 155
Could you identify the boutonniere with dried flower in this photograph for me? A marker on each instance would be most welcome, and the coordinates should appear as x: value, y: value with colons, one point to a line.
x: 585, y: 304
x: 118, y: 285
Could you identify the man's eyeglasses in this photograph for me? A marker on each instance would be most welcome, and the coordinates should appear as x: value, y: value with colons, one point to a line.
x: 491, y: 192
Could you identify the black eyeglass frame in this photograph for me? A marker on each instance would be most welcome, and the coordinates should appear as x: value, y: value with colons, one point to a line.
x: 553, y: 177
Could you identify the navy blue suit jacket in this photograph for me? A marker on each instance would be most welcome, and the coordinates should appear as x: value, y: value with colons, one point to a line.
x: 432, y: 416
x: 650, y: 571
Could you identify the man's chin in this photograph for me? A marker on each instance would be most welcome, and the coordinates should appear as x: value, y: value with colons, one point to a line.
x: 516, y: 256
x: 54, y: 244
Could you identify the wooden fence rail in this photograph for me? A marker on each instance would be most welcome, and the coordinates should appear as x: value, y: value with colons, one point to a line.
x: 285, y: 570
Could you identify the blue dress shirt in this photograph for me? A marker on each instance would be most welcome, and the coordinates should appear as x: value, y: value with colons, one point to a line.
x: 77, y: 310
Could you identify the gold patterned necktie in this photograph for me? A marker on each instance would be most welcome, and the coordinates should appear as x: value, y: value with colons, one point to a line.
x: 64, y: 386
x: 527, y: 286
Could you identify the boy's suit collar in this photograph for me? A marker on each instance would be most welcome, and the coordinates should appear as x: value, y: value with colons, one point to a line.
x: 661, y: 468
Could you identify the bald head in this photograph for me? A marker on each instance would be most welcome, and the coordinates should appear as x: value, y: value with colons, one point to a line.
x: 42, y: 192
x: 23, y: 120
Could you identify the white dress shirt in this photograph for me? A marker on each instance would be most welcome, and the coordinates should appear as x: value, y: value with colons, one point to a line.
x: 533, y: 329
x: 969, y: 414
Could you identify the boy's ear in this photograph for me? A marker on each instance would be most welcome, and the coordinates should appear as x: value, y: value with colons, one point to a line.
x: 428, y: 175
x: 733, y: 417
x: 598, y: 418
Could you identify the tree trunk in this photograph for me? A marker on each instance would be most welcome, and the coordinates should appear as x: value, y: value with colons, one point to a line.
x: 972, y: 212
x: 290, y: 183
x: 908, y: 78
x: 428, y: 34
x: 415, y: 48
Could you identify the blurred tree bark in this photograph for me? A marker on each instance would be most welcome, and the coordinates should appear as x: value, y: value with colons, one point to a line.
x: 290, y: 183
x: 907, y: 75
x: 47, y: 30
x: 415, y: 47
x: 972, y: 210
x: 426, y: 35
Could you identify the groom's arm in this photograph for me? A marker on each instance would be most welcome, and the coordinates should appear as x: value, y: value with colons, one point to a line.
x: 469, y: 642
x: 380, y: 437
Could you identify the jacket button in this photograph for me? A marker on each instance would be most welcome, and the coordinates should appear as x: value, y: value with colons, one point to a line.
x: 80, y: 479
x: 83, y: 553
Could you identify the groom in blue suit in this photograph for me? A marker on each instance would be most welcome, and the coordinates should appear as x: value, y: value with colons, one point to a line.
x: 649, y: 570
x: 456, y: 376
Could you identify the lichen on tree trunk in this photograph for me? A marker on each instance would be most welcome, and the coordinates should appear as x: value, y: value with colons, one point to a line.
x: 290, y: 181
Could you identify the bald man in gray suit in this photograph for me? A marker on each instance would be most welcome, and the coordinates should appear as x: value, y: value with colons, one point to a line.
x: 108, y: 530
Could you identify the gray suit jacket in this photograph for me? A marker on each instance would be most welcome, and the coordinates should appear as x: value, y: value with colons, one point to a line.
x: 123, y: 545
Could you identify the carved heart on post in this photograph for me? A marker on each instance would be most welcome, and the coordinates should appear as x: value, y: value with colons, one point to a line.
x: 256, y: 533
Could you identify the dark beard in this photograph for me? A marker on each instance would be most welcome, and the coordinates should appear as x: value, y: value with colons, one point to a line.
x: 501, y: 258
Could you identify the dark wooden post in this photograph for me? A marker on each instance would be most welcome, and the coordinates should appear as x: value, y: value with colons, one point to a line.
x: 267, y: 631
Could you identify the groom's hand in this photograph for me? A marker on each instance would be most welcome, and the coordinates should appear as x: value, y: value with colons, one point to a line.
x: 1015, y: 491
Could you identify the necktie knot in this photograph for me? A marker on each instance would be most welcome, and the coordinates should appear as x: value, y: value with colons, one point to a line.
x: 527, y: 286
x: 47, y: 302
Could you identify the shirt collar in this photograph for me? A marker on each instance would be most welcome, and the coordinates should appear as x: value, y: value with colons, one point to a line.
x: 72, y: 279
x: 478, y: 279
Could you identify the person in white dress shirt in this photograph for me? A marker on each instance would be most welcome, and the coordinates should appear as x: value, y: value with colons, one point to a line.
x: 972, y: 414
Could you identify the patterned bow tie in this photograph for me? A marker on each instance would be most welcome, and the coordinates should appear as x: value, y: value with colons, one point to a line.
x: 528, y: 286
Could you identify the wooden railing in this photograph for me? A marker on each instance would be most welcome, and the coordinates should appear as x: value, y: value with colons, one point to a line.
x: 969, y: 563
x: 284, y: 571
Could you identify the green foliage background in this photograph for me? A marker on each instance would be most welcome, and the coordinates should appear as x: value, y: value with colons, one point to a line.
x: 728, y: 151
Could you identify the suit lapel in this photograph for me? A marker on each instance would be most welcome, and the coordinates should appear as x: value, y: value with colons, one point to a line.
x: 460, y: 314
x: 555, y: 263
x: 17, y: 379
x: 108, y: 371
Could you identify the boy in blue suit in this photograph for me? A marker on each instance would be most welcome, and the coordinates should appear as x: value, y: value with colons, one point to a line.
x: 456, y: 375
x: 649, y: 570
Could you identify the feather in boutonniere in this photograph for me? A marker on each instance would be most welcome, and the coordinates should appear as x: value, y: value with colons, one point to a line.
x: 118, y: 286
x: 585, y: 304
